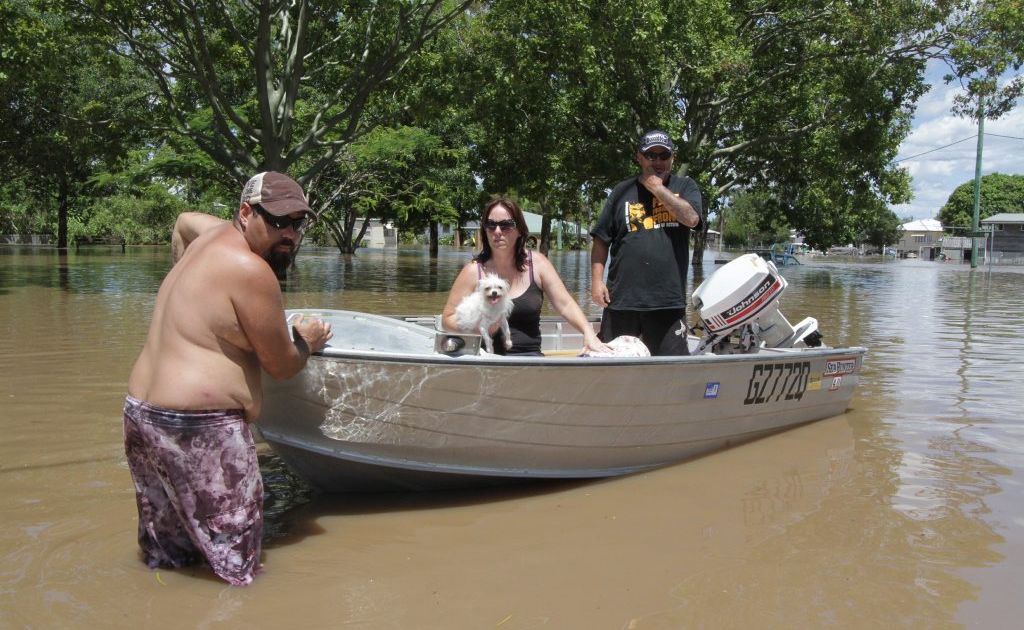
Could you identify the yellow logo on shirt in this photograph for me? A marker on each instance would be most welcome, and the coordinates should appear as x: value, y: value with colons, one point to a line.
x: 639, y: 219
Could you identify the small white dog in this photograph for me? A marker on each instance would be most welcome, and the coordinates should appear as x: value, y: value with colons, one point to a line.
x: 483, y: 308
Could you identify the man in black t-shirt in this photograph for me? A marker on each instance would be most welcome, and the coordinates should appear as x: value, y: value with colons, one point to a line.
x: 645, y: 225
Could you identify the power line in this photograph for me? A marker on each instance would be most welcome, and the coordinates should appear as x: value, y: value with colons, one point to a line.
x: 996, y: 135
x: 936, y: 149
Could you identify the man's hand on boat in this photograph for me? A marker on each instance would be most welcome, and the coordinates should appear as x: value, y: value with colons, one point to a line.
x: 311, y: 332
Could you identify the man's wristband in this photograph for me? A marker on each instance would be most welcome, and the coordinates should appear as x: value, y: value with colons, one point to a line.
x: 300, y: 343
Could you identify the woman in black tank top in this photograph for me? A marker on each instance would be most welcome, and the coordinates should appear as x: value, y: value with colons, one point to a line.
x: 524, y: 322
x: 530, y: 275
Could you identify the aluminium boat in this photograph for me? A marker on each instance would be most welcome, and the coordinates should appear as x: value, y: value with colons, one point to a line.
x: 395, y: 403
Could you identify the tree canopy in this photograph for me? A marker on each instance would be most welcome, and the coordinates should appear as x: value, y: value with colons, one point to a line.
x: 989, y: 47
x: 268, y: 85
x: 68, y: 108
x: 805, y: 101
x: 407, y: 109
x: 999, y: 193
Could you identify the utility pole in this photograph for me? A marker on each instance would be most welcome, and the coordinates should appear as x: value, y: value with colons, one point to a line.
x: 977, y: 181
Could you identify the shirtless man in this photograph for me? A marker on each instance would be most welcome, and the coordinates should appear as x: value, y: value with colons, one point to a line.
x: 218, y: 320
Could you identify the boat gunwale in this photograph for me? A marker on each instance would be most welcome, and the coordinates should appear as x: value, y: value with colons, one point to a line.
x: 416, y: 324
x: 764, y: 354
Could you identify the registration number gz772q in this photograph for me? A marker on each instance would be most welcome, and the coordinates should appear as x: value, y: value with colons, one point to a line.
x: 777, y: 381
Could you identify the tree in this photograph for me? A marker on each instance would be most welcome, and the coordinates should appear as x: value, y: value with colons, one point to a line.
x: 69, y: 108
x: 404, y: 174
x: 999, y: 193
x: 268, y: 85
x: 884, y: 228
x: 808, y: 101
x: 752, y: 219
x: 552, y: 127
x: 132, y: 204
x: 990, y: 46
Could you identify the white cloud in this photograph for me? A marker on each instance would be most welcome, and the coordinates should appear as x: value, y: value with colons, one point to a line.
x: 942, y: 168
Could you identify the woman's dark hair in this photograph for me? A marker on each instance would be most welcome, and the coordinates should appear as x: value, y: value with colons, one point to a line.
x: 523, y: 232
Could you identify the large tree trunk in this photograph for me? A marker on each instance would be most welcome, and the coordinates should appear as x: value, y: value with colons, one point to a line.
x: 62, y: 215
x: 544, y: 241
x: 700, y: 239
x: 433, y: 239
x: 343, y: 232
x: 362, y: 232
x: 545, y: 234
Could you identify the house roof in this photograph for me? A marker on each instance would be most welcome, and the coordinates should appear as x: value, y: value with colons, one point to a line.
x: 923, y: 225
x: 1005, y: 217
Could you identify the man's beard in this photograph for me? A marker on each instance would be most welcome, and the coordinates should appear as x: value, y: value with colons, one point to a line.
x: 280, y: 261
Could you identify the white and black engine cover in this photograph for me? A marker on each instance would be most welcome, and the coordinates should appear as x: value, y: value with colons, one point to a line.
x: 743, y: 297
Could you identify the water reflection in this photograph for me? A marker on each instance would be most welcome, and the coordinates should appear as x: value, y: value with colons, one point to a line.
x: 88, y: 270
x: 376, y: 270
x: 876, y: 517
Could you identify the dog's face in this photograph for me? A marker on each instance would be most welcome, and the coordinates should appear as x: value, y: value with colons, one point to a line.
x: 492, y: 288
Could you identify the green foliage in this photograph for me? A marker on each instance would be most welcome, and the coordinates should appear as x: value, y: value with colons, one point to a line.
x: 884, y: 228
x: 408, y: 175
x: 753, y: 219
x: 129, y: 219
x: 999, y: 193
x: 270, y: 86
x: 987, y: 56
x: 69, y: 107
x: 806, y: 101
x: 406, y: 171
x: 555, y: 89
x: 397, y: 109
x: 20, y: 211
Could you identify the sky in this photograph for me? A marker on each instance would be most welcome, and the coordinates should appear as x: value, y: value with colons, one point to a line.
x: 937, y: 174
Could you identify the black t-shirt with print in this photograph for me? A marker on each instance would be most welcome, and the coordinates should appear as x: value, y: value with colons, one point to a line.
x: 649, y: 249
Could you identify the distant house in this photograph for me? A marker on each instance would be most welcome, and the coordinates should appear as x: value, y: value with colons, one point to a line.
x: 920, y: 238
x: 534, y: 222
x: 378, y: 234
x: 1007, y: 237
x: 958, y: 248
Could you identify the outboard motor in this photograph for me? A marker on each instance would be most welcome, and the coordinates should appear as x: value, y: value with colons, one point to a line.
x: 743, y: 298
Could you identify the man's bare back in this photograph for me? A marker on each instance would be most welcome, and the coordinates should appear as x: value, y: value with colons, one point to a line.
x: 219, y: 317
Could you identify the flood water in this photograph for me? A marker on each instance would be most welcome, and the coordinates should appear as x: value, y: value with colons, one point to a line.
x: 906, y: 511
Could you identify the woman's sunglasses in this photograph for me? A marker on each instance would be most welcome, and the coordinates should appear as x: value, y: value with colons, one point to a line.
x: 282, y: 223
x: 507, y: 224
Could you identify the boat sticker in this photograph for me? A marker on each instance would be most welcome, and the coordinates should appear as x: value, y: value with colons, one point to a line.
x: 814, y: 384
x: 838, y: 367
x: 711, y: 390
x: 836, y: 382
x: 770, y: 382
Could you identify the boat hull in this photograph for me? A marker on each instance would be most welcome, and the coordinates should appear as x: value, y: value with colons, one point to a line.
x: 360, y: 420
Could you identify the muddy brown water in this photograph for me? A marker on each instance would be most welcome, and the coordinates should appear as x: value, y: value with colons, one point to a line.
x: 906, y: 511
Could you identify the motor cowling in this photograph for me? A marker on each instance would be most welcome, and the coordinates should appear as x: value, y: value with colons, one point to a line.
x: 743, y: 297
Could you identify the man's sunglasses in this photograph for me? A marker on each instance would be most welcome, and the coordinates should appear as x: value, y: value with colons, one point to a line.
x: 663, y: 155
x: 507, y: 224
x: 282, y: 223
